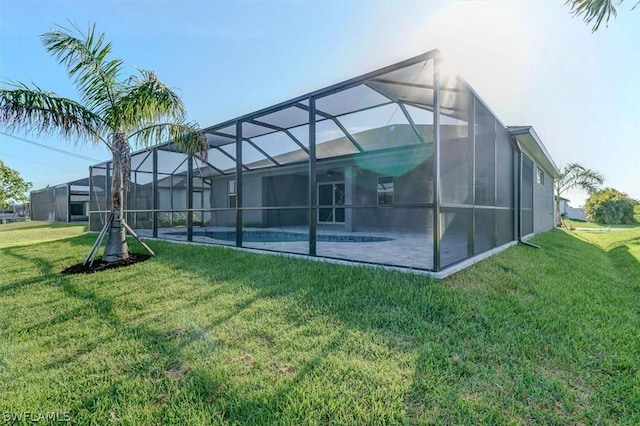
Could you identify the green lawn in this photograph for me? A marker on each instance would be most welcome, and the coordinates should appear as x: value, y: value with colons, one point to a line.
x: 582, y: 224
x: 205, y: 335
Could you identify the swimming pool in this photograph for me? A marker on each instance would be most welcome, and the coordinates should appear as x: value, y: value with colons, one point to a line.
x: 284, y: 236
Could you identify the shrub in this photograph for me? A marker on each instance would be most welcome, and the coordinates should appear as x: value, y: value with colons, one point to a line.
x: 610, y: 207
x: 179, y: 219
x: 636, y: 212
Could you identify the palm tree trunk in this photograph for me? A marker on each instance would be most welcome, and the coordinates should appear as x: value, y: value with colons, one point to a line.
x: 116, y: 248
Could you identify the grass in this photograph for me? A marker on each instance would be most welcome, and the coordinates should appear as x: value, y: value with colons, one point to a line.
x: 206, y: 335
x: 28, y: 233
x: 581, y: 224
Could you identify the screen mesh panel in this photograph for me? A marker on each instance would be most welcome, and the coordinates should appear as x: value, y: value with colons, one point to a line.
x: 485, y: 164
x: 485, y: 230
x: 504, y: 168
x: 456, y: 235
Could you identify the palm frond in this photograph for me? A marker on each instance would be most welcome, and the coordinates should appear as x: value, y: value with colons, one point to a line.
x: 593, y: 10
x: 33, y: 110
x: 577, y: 176
x: 146, y: 101
x: 184, y: 135
x: 85, y: 56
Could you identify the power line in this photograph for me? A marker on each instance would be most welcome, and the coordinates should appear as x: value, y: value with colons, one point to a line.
x: 62, y: 151
x: 37, y: 162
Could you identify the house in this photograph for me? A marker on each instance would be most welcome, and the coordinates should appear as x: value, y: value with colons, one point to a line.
x: 570, y: 212
x: 404, y: 166
x: 67, y: 202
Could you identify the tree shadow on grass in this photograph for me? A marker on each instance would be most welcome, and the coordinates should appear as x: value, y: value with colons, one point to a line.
x: 362, y: 300
x: 405, y: 313
x: 46, y: 225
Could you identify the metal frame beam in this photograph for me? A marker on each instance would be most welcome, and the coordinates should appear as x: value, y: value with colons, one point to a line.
x: 411, y: 122
x: 230, y: 156
x: 143, y: 160
x: 212, y: 166
x: 155, y: 196
x: 190, y: 198
x: 436, y: 168
x: 471, y: 134
x: 68, y: 202
x: 285, y: 131
x: 179, y: 165
x: 239, y: 184
x: 313, y: 188
x: 432, y: 54
x: 416, y: 85
x: 337, y: 123
x: 261, y: 151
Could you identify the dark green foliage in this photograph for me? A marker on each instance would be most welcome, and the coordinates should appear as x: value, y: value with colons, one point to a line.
x: 12, y: 187
x: 610, y: 207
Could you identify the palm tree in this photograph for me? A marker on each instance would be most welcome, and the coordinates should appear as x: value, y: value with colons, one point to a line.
x: 576, y: 176
x: 597, y: 10
x: 113, y: 110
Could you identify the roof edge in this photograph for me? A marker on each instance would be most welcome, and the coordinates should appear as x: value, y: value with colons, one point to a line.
x: 531, y: 141
x: 431, y: 54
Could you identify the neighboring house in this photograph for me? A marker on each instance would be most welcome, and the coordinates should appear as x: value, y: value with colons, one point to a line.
x: 393, y: 167
x: 14, y: 212
x: 571, y: 212
x: 67, y: 202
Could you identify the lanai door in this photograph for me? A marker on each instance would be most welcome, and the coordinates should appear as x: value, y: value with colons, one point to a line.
x: 331, y: 202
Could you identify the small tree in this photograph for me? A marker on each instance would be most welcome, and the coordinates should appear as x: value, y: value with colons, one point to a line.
x: 13, y: 189
x: 610, y: 207
x: 576, y: 176
x: 114, y: 109
x: 636, y: 212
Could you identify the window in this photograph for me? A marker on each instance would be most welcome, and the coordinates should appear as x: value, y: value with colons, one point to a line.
x: 76, y: 209
x: 539, y: 176
x: 232, y: 194
x: 385, y: 190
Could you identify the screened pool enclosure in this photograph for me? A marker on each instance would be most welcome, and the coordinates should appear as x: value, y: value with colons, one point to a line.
x: 404, y: 166
x: 66, y: 202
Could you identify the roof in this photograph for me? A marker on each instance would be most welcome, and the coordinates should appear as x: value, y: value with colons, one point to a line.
x: 529, y: 139
x: 352, y: 117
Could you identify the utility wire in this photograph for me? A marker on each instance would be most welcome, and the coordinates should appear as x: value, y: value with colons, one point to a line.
x: 62, y: 151
x: 37, y: 162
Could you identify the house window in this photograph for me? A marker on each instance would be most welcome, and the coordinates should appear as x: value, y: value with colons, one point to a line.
x: 385, y: 190
x: 539, y: 176
x: 232, y: 193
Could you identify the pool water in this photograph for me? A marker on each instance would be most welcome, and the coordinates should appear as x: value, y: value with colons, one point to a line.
x: 284, y: 236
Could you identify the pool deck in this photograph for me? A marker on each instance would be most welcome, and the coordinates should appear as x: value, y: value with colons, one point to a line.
x: 405, y: 249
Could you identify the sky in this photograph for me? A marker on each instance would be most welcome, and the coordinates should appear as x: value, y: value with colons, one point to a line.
x: 532, y: 62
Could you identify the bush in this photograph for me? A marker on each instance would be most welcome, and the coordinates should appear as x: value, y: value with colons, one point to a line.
x: 610, y: 207
x: 636, y: 212
x: 179, y: 219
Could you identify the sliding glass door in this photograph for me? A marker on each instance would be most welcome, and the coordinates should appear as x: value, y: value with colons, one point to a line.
x: 331, y: 202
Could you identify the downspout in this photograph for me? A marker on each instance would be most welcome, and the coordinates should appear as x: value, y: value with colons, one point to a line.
x: 520, y: 240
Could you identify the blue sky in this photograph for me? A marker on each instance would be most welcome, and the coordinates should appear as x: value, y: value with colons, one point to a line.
x: 532, y: 62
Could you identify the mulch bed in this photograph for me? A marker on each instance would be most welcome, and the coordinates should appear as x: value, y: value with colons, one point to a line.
x: 101, y: 265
